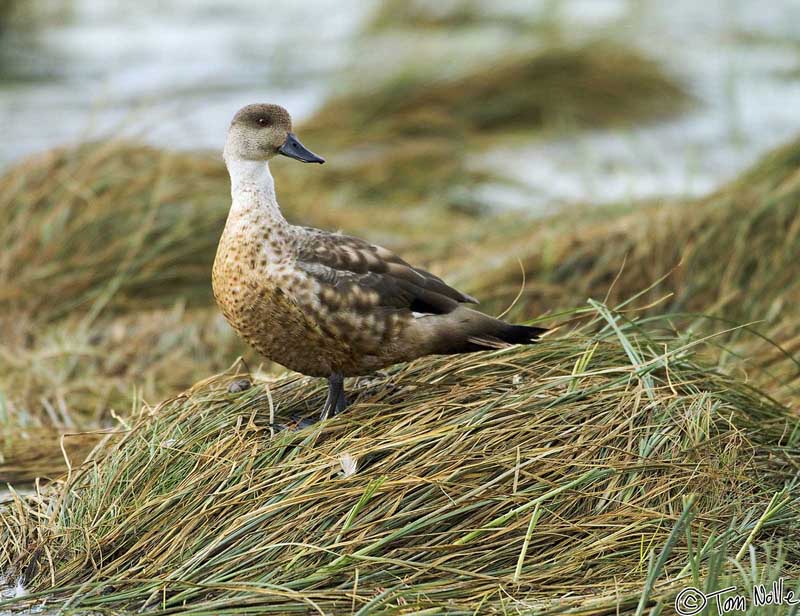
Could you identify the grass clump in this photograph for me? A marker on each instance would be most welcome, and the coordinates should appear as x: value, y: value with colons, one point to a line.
x: 69, y: 377
x: 409, y: 139
x: 33, y: 452
x: 731, y: 255
x: 105, y: 293
x: 119, y: 226
x: 67, y: 251
x: 451, y: 15
x: 596, y: 85
x: 392, y: 14
x: 486, y: 482
x: 732, y: 252
x: 106, y: 224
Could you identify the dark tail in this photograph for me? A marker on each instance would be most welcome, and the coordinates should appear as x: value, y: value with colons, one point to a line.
x: 502, y: 335
x: 466, y: 330
x: 520, y: 334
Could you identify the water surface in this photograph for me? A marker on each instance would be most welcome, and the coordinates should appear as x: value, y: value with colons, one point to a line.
x: 174, y: 72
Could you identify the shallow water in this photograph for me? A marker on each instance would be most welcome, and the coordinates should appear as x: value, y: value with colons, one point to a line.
x: 174, y: 71
x: 740, y: 59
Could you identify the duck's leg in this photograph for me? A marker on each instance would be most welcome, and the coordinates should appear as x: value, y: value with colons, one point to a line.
x: 336, y: 401
x: 341, y: 398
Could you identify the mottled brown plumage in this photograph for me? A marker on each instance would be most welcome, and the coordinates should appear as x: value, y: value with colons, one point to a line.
x: 321, y: 303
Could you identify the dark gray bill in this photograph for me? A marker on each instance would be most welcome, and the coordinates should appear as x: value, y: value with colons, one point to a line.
x: 294, y: 149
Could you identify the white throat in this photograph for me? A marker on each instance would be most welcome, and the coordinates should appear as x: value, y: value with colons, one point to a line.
x: 254, y: 203
x: 250, y: 176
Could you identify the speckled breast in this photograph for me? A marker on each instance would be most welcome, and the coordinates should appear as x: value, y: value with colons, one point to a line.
x: 260, y: 304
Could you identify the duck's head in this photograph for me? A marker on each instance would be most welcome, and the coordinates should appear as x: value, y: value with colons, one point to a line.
x: 261, y: 131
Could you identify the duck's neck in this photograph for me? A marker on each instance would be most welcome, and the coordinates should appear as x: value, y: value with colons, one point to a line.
x: 253, y: 191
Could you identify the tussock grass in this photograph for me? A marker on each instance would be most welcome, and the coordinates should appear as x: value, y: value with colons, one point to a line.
x: 407, y: 140
x: 104, y: 245
x: 596, y: 85
x: 118, y: 226
x: 736, y: 249
x: 92, y: 367
x: 732, y: 256
x: 393, y: 14
x: 732, y: 252
x: 109, y: 223
x: 105, y: 295
x: 33, y: 452
x: 607, y: 466
x: 587, y: 467
x: 67, y: 377
x: 452, y: 15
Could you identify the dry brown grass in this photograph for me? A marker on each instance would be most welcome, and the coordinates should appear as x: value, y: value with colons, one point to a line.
x: 34, y: 452
x: 405, y: 142
x: 732, y: 252
x: 120, y: 226
x: 592, y: 86
x: 579, y: 468
x: 412, y: 14
x: 737, y: 248
x: 728, y: 259
x: 105, y: 296
x: 108, y: 223
x: 66, y: 377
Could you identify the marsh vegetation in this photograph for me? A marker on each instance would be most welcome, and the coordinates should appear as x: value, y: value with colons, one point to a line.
x: 650, y: 442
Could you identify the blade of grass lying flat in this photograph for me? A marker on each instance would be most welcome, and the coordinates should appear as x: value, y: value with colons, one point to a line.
x: 657, y: 565
x: 373, y: 487
x: 776, y: 504
x: 587, y: 477
x: 524, y: 550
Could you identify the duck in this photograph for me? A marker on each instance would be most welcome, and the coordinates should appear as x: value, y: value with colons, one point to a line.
x: 321, y: 303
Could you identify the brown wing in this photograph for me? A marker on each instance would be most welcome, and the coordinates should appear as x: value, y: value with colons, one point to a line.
x: 347, y: 263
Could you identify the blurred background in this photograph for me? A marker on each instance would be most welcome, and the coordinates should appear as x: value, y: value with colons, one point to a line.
x: 535, y: 153
x: 173, y: 72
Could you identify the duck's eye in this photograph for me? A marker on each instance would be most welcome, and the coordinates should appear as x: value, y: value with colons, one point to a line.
x: 263, y: 121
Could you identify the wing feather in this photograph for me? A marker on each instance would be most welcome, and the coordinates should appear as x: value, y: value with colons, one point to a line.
x: 355, y: 268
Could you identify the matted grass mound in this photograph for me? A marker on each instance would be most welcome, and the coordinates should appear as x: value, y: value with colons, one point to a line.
x: 69, y: 378
x: 411, y: 137
x: 112, y: 223
x: 734, y: 256
x: 733, y: 252
x: 577, y: 468
x: 105, y: 292
x: 106, y: 229
x: 595, y: 85
x: 394, y: 14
